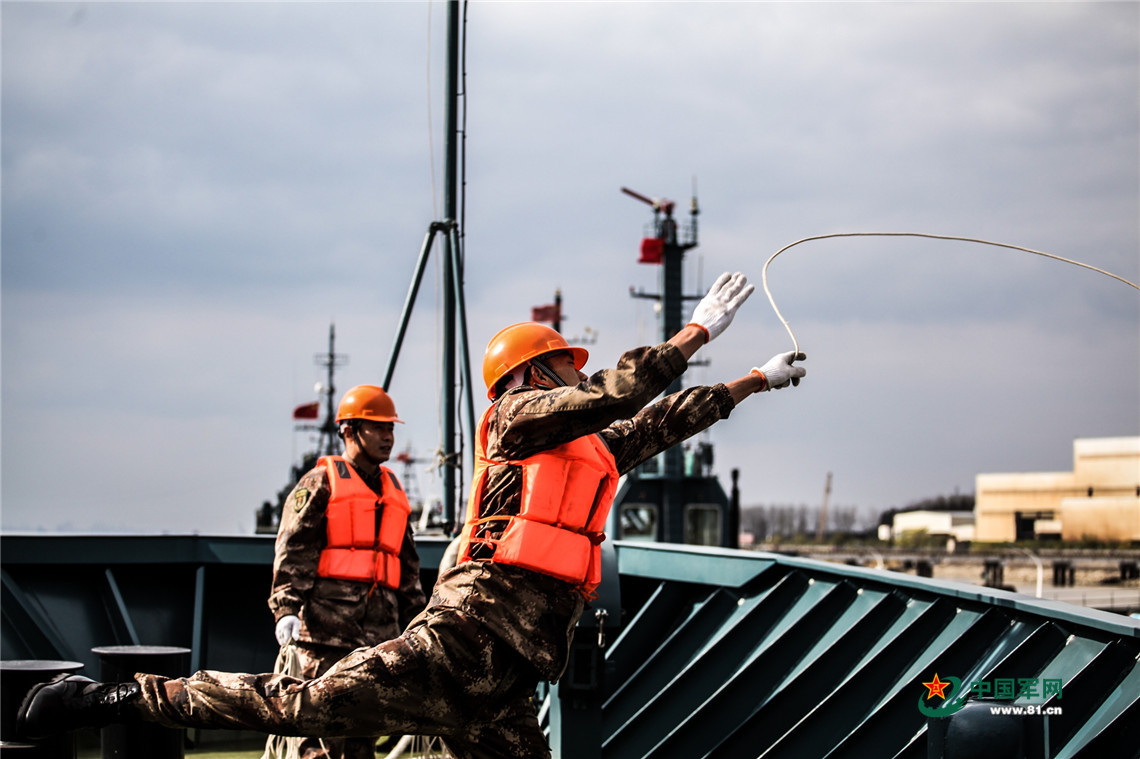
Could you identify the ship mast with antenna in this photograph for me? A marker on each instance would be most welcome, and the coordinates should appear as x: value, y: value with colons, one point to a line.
x: 328, y: 441
x: 673, y: 498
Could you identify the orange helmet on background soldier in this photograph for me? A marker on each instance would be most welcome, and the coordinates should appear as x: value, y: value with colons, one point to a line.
x: 367, y: 402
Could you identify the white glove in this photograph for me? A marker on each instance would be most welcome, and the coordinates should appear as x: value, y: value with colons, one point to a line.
x: 778, y: 372
x: 288, y: 628
x: 715, y: 311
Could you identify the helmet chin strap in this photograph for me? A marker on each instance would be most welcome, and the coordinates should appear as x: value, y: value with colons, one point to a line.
x: 548, y: 372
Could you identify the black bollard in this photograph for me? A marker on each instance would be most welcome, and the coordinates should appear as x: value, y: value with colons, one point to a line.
x: 1062, y: 573
x: 118, y: 664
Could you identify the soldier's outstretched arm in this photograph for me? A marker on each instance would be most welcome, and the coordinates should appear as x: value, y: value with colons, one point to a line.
x: 777, y: 373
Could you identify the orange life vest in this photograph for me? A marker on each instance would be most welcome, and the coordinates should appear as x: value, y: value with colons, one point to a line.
x: 566, y: 497
x: 358, y: 549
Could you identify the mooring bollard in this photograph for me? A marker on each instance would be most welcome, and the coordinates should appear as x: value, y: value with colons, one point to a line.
x: 17, y: 676
x: 118, y: 664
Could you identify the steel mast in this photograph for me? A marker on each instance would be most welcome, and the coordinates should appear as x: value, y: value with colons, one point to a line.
x: 454, y: 310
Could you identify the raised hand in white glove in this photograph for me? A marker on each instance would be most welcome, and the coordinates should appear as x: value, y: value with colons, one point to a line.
x: 778, y: 372
x: 715, y: 311
x: 288, y: 628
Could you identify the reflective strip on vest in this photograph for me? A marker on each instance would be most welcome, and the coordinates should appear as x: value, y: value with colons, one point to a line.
x: 567, y: 493
x: 355, y: 548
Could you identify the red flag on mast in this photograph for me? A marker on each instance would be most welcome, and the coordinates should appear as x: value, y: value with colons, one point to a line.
x: 652, y: 250
x: 548, y: 313
x: 308, y: 411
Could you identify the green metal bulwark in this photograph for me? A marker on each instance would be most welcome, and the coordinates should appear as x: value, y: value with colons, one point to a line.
x: 707, y: 652
x: 119, y: 609
x: 741, y: 654
x: 28, y: 624
x: 199, y: 630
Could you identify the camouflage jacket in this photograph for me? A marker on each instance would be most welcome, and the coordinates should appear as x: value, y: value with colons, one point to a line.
x: 340, y: 613
x: 532, y: 612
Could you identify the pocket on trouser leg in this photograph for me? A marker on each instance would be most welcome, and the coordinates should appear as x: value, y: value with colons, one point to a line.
x: 511, y: 732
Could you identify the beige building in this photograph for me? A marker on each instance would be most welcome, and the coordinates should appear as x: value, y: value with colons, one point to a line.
x: 1099, y: 499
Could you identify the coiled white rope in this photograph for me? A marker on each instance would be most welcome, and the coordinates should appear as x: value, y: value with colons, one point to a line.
x: 788, y: 327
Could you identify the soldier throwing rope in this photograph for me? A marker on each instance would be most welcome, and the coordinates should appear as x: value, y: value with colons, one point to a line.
x: 503, y: 618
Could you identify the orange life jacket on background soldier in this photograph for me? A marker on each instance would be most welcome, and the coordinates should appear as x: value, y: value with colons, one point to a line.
x: 358, y: 548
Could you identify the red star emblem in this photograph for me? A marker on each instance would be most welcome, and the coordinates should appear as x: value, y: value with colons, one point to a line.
x: 936, y: 688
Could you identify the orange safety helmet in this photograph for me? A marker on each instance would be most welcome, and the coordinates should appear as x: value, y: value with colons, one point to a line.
x: 519, y: 343
x: 367, y: 402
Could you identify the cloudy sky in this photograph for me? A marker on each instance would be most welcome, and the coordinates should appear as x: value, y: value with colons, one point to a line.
x: 193, y: 192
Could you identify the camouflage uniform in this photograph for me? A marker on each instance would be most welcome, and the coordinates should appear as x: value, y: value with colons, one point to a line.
x: 337, y: 616
x: 467, y: 667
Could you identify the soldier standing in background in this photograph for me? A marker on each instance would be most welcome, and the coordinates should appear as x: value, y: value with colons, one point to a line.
x: 345, y: 571
x: 502, y: 619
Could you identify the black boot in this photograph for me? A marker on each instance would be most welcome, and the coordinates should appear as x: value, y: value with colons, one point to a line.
x: 71, y: 702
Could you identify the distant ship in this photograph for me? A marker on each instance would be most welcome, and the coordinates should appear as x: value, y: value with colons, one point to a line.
x: 427, y: 516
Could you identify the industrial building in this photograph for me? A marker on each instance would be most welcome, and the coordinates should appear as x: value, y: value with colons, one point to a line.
x: 1098, y: 500
x: 956, y: 525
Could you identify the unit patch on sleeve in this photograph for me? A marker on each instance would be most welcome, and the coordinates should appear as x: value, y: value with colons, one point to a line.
x: 300, y: 499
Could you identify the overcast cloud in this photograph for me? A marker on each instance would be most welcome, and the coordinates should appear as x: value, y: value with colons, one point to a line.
x: 192, y: 192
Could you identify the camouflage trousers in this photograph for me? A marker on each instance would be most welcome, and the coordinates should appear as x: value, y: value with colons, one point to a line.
x: 314, y: 661
x: 446, y: 675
